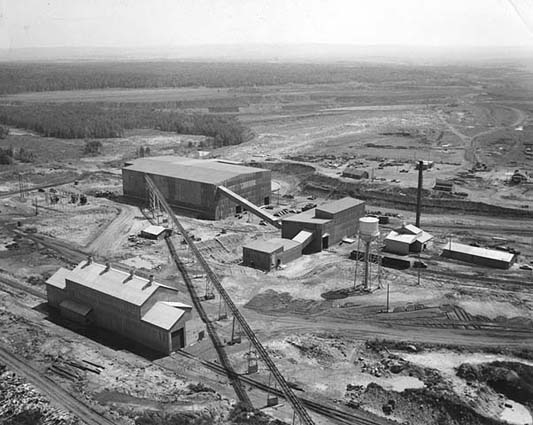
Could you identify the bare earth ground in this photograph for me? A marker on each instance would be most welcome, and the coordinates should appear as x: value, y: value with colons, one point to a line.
x: 459, y: 313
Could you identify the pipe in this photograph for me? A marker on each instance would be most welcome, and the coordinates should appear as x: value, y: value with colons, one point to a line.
x: 419, y: 192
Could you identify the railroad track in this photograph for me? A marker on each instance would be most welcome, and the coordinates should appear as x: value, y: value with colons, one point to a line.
x: 340, y: 416
x: 55, y: 393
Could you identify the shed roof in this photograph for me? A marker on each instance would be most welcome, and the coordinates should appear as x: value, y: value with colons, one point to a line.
x: 163, y: 316
x: 411, y: 228
x: 340, y: 205
x: 402, y: 238
x: 75, y: 307
x: 492, y: 254
x: 58, y: 278
x: 271, y: 245
x: 154, y: 230
x: 201, y: 170
x: 355, y: 171
x: 113, y: 282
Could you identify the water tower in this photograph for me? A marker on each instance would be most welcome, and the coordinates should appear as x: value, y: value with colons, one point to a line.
x: 368, y: 232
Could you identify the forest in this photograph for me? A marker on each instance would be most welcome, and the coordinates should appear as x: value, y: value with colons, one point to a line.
x: 96, y: 121
x: 31, y: 77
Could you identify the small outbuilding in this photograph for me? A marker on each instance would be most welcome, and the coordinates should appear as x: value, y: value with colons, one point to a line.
x: 443, y: 185
x: 355, y: 173
x: 155, y: 232
x: 269, y: 254
x: 477, y: 255
x: 407, y: 239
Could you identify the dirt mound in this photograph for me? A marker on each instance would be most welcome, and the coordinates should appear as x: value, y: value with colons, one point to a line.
x: 423, y: 407
x: 514, y: 380
x: 271, y: 301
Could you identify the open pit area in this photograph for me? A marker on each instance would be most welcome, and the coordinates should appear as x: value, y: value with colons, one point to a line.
x: 449, y: 343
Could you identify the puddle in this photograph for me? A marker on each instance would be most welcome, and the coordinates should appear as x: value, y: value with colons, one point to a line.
x: 516, y: 414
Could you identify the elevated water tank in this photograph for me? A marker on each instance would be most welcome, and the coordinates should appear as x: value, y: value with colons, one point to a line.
x: 368, y: 228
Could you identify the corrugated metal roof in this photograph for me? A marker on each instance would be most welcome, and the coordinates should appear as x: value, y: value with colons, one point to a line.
x: 424, y: 237
x: 340, y: 205
x: 75, y: 307
x: 115, y: 283
x: 397, y: 237
x: 201, y: 170
x: 163, y: 315
x: 58, y: 278
x: 492, y: 254
x: 154, y: 230
x: 302, y: 237
x: 271, y: 245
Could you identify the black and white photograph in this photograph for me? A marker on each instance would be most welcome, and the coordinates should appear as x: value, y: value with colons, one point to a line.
x: 266, y: 212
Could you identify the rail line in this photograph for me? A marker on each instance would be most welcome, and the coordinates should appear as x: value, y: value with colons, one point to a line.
x: 217, y: 343
x: 340, y: 416
x: 213, y: 278
x: 55, y: 393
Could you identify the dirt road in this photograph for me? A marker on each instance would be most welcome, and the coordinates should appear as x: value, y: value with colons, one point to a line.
x: 57, y: 395
x: 111, y: 238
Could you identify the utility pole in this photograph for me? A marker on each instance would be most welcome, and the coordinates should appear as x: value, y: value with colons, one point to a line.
x: 419, y: 192
x: 387, y: 297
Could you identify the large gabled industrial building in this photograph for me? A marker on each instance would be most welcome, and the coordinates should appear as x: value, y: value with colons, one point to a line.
x: 193, y: 184
x: 136, y: 308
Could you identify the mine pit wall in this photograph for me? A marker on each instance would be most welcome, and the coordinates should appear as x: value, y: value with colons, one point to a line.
x: 200, y: 198
x: 320, y: 184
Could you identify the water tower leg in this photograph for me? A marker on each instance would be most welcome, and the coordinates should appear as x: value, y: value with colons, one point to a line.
x: 367, y: 264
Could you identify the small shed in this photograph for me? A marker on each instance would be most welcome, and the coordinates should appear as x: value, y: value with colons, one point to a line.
x: 443, y: 185
x: 355, y: 173
x: 477, y: 255
x: 155, y: 232
x: 266, y: 255
x: 408, y: 238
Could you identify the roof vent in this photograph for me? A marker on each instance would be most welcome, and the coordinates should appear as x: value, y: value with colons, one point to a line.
x: 149, y: 283
x: 89, y: 261
x: 130, y: 276
x: 107, y: 268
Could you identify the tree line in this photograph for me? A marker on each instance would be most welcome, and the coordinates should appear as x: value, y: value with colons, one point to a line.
x: 31, y: 77
x: 99, y: 121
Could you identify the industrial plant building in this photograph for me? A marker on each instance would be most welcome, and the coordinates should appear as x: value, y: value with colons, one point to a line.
x: 328, y: 223
x: 355, y: 173
x: 477, y: 255
x: 208, y: 188
x: 139, y: 309
x: 305, y: 233
x: 407, y: 239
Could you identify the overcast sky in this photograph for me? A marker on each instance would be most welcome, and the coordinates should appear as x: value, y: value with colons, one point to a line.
x: 140, y: 23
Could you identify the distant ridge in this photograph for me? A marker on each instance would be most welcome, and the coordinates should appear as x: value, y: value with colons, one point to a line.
x: 273, y: 53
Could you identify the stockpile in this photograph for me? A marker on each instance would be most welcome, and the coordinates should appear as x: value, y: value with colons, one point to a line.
x: 21, y: 404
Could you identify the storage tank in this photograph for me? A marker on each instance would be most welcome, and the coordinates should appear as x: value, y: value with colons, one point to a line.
x: 368, y: 228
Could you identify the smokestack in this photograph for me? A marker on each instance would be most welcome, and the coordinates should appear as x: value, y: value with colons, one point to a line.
x: 107, y: 268
x: 130, y: 277
x: 89, y: 261
x: 149, y: 283
x: 419, y: 192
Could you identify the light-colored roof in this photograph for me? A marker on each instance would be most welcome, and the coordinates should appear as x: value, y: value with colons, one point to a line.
x: 58, y: 278
x: 340, y: 205
x: 306, y: 217
x: 424, y: 237
x: 154, y: 230
x: 75, y: 307
x: 271, y: 245
x: 412, y: 229
x: 163, y: 315
x: 115, y: 283
x: 397, y: 237
x: 201, y: 170
x: 178, y: 304
x: 479, y: 252
x: 302, y: 237
x: 355, y: 171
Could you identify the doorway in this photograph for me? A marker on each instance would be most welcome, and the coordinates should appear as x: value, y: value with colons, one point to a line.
x: 325, y: 242
x: 178, y: 339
